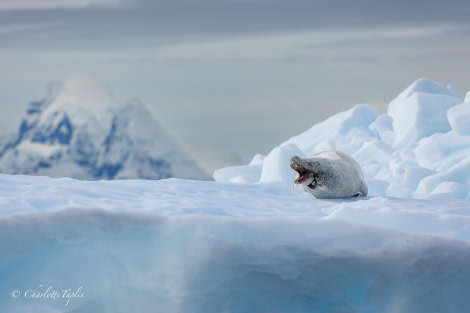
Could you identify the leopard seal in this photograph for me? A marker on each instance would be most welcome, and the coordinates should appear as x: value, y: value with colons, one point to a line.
x: 329, y: 175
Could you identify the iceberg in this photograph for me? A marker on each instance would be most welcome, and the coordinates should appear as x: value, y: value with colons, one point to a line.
x: 423, y: 139
x: 193, y: 246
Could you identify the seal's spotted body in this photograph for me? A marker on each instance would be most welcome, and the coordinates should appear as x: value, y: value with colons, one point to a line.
x: 329, y: 174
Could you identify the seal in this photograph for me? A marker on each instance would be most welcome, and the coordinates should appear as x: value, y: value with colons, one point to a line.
x: 330, y: 175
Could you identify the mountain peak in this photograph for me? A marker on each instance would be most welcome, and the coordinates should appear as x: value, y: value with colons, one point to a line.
x: 140, y: 125
x: 85, y: 92
x: 78, y: 130
x: 81, y: 97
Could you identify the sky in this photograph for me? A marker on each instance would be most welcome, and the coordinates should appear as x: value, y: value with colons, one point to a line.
x: 231, y: 78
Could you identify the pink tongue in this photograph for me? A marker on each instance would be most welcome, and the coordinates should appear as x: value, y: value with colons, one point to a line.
x: 301, y: 179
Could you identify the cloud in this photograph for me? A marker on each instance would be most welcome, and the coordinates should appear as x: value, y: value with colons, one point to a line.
x: 147, y: 22
x: 56, y: 4
x: 9, y: 29
x: 312, y: 44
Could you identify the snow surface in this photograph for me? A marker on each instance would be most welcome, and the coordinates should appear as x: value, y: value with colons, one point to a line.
x: 193, y: 246
x: 257, y: 245
x: 420, y: 148
x: 459, y: 116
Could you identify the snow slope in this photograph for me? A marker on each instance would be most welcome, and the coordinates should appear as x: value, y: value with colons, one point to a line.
x: 257, y: 245
x: 420, y: 148
x: 77, y: 130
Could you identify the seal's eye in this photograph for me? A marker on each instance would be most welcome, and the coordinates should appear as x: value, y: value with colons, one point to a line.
x: 313, y: 164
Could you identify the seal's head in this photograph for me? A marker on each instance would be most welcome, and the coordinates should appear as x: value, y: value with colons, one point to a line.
x: 329, y: 175
x: 307, y: 172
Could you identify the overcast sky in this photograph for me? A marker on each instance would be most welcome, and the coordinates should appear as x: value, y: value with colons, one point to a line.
x: 231, y: 78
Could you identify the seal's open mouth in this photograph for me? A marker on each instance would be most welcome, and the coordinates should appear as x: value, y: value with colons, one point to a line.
x: 306, y: 177
x: 303, y: 173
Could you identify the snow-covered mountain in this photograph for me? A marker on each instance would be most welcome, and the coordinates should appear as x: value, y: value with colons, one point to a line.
x: 77, y: 130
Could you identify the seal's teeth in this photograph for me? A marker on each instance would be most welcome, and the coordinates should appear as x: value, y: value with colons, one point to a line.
x: 304, y: 177
x: 298, y: 169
